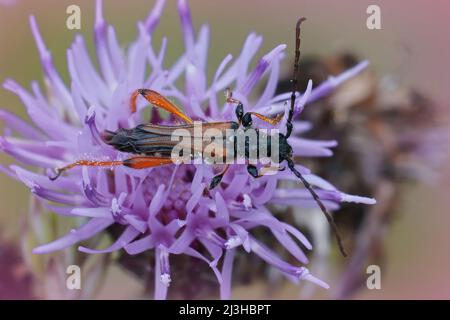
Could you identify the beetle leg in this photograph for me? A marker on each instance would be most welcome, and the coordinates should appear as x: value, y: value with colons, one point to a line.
x: 253, y: 171
x: 229, y: 97
x: 240, y: 107
x: 158, y: 101
x: 89, y: 163
x: 240, y: 112
x: 268, y: 169
x: 143, y: 162
x: 140, y: 162
x: 218, y: 178
x: 273, y: 121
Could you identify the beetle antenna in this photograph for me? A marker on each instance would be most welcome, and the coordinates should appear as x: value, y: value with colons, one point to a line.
x: 322, y: 207
x: 294, y: 79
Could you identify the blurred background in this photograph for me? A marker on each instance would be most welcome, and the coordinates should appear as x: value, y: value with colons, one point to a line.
x: 411, y: 50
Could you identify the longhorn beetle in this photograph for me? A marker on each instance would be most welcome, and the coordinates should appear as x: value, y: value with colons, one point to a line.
x: 153, y: 144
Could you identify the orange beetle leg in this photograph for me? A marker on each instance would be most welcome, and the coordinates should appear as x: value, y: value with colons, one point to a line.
x: 146, y: 162
x: 89, y: 163
x: 158, y: 101
x: 272, y: 121
x: 135, y: 163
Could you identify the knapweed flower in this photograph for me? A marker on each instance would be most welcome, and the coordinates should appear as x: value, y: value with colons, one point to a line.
x: 165, y: 209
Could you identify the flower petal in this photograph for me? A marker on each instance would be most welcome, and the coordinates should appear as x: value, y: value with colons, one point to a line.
x: 91, y: 228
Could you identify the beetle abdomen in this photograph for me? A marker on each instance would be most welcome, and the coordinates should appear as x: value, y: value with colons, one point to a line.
x: 138, y: 141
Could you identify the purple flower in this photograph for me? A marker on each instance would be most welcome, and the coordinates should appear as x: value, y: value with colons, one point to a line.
x: 164, y: 208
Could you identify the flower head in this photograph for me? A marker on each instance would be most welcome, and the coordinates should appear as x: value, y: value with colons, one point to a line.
x: 165, y: 209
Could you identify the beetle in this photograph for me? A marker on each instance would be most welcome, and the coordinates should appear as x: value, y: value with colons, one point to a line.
x: 152, y: 145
